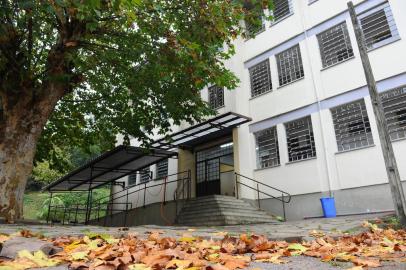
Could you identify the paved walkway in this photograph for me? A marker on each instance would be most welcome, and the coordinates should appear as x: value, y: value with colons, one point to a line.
x: 290, y: 230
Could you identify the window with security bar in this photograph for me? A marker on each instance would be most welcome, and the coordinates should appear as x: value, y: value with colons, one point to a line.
x: 253, y: 29
x: 132, y: 179
x: 260, y: 77
x: 214, y: 152
x: 378, y: 26
x: 300, y: 139
x: 145, y: 175
x: 282, y: 8
x: 162, y: 169
x: 352, y: 127
x: 335, y: 45
x: 394, y: 105
x: 216, y: 97
x: 290, y: 66
x: 267, y: 148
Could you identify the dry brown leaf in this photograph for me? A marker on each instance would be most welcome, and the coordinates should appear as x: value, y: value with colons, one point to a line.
x: 366, y: 262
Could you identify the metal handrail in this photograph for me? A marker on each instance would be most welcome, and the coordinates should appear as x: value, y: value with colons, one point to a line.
x: 283, y: 193
x: 125, y: 193
x: 260, y: 183
x: 141, y: 184
x: 176, y: 195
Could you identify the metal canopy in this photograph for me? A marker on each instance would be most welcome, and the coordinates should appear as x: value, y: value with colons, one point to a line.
x: 108, y: 167
x: 216, y: 127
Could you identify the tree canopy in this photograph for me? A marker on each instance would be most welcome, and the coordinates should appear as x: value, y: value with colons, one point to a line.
x: 79, y: 72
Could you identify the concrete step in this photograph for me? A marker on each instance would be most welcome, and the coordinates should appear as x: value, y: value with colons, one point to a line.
x: 227, y: 213
x: 209, y: 206
x: 218, y: 210
x: 224, y: 211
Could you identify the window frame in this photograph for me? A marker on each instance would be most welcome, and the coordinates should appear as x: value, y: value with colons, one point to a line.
x: 132, y: 179
x: 158, y: 169
x: 285, y: 59
x: 277, y: 20
x: 143, y: 172
x: 252, y: 78
x: 342, y: 138
x: 387, y: 97
x: 392, y: 27
x: 273, y: 160
x: 347, y: 45
x: 213, y: 91
x: 307, y: 120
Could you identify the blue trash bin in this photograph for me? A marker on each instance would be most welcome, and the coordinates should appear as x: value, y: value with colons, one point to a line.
x: 329, y: 208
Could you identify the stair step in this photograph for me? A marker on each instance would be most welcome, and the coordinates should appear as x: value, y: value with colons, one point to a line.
x: 218, y: 210
x: 224, y: 212
x: 224, y: 215
x: 221, y: 206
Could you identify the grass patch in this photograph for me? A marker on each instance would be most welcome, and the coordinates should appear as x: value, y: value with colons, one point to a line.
x: 32, y: 204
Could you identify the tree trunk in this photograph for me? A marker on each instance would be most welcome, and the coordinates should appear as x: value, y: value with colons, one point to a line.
x: 22, y: 121
x: 17, y: 152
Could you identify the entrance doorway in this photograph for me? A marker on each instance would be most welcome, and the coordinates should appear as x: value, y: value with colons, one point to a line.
x: 214, y: 170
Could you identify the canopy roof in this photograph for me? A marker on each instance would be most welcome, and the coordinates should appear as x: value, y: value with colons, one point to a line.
x: 213, y: 128
x: 108, y: 167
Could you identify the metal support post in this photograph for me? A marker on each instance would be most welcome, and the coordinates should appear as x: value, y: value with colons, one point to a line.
x: 49, y: 207
x: 392, y: 171
x: 283, y: 207
x: 259, y: 203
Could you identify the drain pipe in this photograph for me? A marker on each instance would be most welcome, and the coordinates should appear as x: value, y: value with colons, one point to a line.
x: 318, y: 102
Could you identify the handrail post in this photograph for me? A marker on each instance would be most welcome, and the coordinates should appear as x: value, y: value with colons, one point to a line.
x: 283, y: 207
x: 236, y: 185
x: 125, y: 215
x: 49, y: 207
x: 189, y: 184
x: 76, y: 213
x: 145, y: 190
x: 165, y: 179
x: 259, y: 203
x: 63, y: 217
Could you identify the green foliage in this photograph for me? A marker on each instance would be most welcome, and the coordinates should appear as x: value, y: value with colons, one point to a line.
x: 33, y: 202
x: 43, y: 173
x: 55, y: 201
x: 70, y: 200
x: 132, y: 67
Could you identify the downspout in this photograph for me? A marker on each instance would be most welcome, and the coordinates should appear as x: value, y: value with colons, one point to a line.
x: 318, y: 103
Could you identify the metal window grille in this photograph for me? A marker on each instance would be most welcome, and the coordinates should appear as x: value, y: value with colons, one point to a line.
x: 215, y: 152
x: 290, y: 66
x: 216, y: 97
x: 282, y: 8
x: 267, y: 148
x: 162, y: 168
x: 394, y: 105
x: 253, y: 29
x: 132, y: 179
x: 335, y: 45
x: 300, y: 139
x: 145, y: 175
x: 378, y: 26
x: 260, y: 76
x: 352, y: 127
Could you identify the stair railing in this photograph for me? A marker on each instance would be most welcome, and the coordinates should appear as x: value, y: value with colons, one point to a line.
x: 284, y: 198
x: 184, y: 187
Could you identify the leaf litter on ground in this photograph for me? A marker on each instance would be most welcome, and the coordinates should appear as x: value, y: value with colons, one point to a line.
x: 155, y: 251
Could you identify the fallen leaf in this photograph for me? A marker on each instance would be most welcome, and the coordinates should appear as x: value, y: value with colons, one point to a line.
x: 78, y: 256
x: 297, y: 247
x: 366, y: 262
x: 178, y: 264
x: 139, y: 266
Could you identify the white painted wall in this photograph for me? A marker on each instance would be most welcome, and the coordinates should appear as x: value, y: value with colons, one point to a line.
x: 330, y: 170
